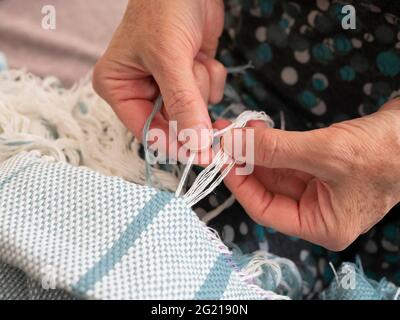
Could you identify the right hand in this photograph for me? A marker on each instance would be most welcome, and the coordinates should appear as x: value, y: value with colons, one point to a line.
x: 165, y: 47
x: 326, y: 186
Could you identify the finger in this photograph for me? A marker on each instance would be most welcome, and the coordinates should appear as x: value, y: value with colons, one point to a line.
x: 309, y: 151
x: 128, y: 92
x: 287, y: 182
x: 269, y: 209
x: 202, y: 78
x: 217, y: 75
x: 282, y: 181
x: 209, y: 48
x: 183, y: 100
x: 299, y: 175
x: 134, y: 114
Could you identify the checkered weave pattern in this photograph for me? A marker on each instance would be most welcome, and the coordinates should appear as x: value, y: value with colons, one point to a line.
x: 90, y: 236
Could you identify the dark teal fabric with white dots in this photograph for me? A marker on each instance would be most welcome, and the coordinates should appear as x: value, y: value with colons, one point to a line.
x: 315, y: 72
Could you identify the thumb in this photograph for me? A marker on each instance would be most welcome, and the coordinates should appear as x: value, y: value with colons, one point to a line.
x: 183, y: 100
x: 309, y: 151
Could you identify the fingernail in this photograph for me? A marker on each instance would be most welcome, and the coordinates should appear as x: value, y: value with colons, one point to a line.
x: 199, y: 137
x: 232, y: 150
x: 227, y: 143
x: 201, y: 56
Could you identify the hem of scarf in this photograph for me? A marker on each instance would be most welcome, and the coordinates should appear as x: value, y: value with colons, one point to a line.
x: 227, y: 254
x: 214, y: 239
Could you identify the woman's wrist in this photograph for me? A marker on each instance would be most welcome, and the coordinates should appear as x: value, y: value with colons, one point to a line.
x: 392, y: 111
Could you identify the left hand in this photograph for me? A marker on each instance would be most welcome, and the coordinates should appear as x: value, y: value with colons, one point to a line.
x: 326, y: 186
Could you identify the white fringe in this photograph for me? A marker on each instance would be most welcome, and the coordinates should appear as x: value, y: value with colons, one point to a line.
x: 72, y: 125
x: 221, y: 164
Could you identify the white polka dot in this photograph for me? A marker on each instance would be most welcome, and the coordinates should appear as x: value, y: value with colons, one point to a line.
x: 319, y: 109
x: 357, y: 43
x: 372, y: 8
x: 213, y: 200
x: 232, y: 33
x: 323, y: 4
x: 388, y: 246
x: 397, y: 45
x: 304, y: 254
x: 361, y: 111
x: 320, y: 76
x: 371, y: 247
x: 200, y: 212
x: 289, y: 76
x: 243, y: 228
x: 391, y: 18
x: 261, y: 34
x: 302, y: 56
x: 367, y: 88
x: 289, y: 19
x: 264, y: 246
x: 311, y: 17
x: 385, y: 265
x: 368, y: 37
x: 255, y: 12
x: 304, y: 28
x: 228, y: 233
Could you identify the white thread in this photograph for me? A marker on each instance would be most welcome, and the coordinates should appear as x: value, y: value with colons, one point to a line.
x: 231, y: 94
x: 222, y: 164
x: 397, y: 295
x: 72, y: 125
x: 185, y: 174
x: 262, y: 258
x: 215, y: 212
x: 283, y: 123
x: 240, y: 69
x: 245, y: 274
x: 334, y: 272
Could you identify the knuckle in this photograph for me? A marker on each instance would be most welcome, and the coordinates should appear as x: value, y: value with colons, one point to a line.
x: 339, y: 242
x: 338, y: 245
x: 267, y: 147
x: 180, y: 103
x: 97, y: 77
x: 163, y: 46
x: 218, y: 68
x: 393, y: 104
x: 278, y: 176
x: 342, y: 155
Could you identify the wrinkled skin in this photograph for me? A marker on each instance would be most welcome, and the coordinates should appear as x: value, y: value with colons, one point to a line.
x: 326, y: 186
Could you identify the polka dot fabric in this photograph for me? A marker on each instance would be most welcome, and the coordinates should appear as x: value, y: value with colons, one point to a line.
x: 314, y: 73
x: 307, y: 62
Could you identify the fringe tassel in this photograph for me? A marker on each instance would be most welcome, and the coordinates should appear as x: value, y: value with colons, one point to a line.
x: 72, y: 125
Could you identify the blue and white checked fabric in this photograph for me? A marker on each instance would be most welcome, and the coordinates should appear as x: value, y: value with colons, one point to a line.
x: 97, y: 237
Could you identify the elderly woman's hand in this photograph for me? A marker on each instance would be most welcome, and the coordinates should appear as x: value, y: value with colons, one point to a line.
x: 327, y: 186
x: 165, y: 46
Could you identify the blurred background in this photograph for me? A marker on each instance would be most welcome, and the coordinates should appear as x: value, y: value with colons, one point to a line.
x: 83, y: 30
